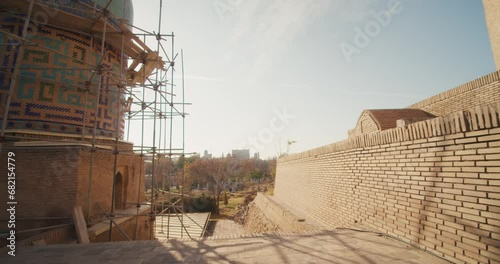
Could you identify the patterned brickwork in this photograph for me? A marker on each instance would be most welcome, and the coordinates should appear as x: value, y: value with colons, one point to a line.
x: 434, y: 183
x: 51, y: 180
x: 50, y: 91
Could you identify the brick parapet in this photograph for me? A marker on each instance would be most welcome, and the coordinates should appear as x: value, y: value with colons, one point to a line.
x: 478, y: 92
x: 478, y: 118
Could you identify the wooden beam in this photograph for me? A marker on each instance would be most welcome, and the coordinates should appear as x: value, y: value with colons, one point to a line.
x: 80, y: 225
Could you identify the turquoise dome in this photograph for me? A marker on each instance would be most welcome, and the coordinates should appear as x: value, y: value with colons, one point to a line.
x: 48, y: 100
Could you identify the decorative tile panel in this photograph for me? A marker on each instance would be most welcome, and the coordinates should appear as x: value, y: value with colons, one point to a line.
x: 50, y: 91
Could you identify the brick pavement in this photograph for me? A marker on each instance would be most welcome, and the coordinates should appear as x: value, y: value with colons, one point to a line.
x: 339, y: 246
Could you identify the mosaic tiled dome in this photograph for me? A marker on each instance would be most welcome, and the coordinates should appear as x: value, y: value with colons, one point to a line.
x: 50, y: 92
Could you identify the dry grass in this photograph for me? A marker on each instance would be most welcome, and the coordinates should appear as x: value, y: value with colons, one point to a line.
x: 240, y: 198
x: 270, y: 190
x: 235, y: 200
x: 230, y: 209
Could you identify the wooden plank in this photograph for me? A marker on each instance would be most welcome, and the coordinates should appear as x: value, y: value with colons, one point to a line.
x: 80, y: 225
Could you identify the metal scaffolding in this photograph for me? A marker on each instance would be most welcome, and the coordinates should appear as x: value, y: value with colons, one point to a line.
x: 148, y: 98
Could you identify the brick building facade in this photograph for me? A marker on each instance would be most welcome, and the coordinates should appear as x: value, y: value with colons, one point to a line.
x: 52, y: 178
x: 70, y: 82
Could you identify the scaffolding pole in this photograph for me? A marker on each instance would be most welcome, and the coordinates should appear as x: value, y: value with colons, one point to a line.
x: 158, y: 96
x: 98, y: 96
x: 156, y: 87
x: 116, y: 152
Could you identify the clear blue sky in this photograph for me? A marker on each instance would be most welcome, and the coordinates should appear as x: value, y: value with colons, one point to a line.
x: 247, y: 61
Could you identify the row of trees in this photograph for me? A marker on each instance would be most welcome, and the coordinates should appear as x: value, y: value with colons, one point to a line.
x: 217, y: 174
x: 220, y: 174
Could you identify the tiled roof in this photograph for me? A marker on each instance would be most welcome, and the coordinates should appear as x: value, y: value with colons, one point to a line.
x: 386, y: 118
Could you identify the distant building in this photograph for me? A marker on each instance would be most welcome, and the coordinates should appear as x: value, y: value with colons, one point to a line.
x: 256, y: 155
x: 241, y: 153
x: 206, y: 155
x: 382, y: 119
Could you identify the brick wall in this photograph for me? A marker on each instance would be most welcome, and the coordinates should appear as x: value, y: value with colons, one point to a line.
x: 45, y: 185
x: 435, y: 183
x: 51, y: 180
x: 128, y: 165
x: 365, y: 125
x: 482, y: 91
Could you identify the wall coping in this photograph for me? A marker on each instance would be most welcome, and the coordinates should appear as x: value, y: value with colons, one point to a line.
x: 293, y: 222
x: 103, y: 226
x: 472, y: 85
x: 30, y: 134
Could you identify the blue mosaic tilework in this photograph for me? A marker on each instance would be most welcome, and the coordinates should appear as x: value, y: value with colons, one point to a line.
x: 56, y: 128
x: 53, y: 100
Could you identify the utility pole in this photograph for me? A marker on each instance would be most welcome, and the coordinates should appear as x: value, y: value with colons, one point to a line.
x: 290, y: 142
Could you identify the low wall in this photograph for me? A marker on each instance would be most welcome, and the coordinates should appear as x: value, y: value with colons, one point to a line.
x: 279, y: 215
x: 257, y: 222
x: 136, y: 228
x: 435, y: 183
x: 55, y: 236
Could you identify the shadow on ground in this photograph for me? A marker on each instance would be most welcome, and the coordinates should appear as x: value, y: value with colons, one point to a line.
x: 344, y: 246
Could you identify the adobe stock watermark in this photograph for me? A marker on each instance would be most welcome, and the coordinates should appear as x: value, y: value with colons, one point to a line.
x: 266, y: 136
x: 222, y: 7
x: 38, y: 20
x: 372, y: 29
x: 62, y: 168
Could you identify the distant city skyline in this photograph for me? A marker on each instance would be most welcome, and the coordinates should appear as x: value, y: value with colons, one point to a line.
x: 245, y: 152
x: 264, y: 72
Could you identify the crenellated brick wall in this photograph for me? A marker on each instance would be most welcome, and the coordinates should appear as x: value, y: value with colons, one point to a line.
x: 55, y: 236
x: 435, y: 183
x: 482, y: 91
